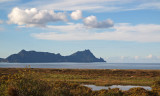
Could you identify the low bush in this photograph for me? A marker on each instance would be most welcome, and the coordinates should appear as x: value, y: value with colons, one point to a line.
x: 29, y: 83
x: 156, y: 87
x: 138, y: 92
x: 23, y: 83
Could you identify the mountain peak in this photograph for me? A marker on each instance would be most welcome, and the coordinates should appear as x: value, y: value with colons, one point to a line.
x: 84, y: 56
x: 87, y: 50
x: 22, y: 51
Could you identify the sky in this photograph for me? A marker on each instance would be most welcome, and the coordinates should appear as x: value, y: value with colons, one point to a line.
x: 120, y: 31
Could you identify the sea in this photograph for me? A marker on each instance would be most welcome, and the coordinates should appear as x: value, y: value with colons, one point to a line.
x: 95, y: 65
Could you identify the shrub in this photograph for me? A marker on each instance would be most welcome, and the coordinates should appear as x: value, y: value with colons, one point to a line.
x: 69, y: 89
x: 109, y: 92
x: 23, y: 83
x: 156, y: 87
x: 28, y: 83
x: 12, y: 91
x: 114, y: 92
x: 81, y: 91
x: 102, y: 92
x: 138, y: 92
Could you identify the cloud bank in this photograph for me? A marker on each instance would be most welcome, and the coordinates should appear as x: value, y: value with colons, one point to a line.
x: 136, y: 59
x: 33, y: 17
x: 40, y: 18
x: 92, y: 22
x: 121, y: 32
x: 94, y: 5
x: 2, y: 1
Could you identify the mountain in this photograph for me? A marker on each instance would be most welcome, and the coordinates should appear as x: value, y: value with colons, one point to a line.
x: 43, y: 57
x: 1, y: 60
x: 33, y: 57
x: 83, y: 56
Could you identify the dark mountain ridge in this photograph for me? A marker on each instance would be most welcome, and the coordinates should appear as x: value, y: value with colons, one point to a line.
x: 1, y: 59
x: 45, y: 57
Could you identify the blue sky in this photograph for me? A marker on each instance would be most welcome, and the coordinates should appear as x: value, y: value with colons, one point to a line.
x: 117, y: 30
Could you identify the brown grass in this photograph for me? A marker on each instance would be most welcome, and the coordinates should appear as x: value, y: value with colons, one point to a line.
x: 93, y: 76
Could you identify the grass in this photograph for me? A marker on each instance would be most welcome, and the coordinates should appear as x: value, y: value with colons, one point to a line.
x: 68, y: 82
x: 94, y: 76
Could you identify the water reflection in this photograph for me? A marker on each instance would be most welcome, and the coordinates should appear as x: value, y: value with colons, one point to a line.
x: 121, y: 87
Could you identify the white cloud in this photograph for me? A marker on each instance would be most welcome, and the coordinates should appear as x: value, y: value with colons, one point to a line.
x: 1, y: 21
x: 121, y: 59
x: 94, y: 5
x: 91, y: 21
x: 135, y: 59
x: 2, y: 1
x: 120, y: 32
x: 56, y: 36
x: 76, y: 15
x: 150, y: 56
x: 76, y: 4
x: 153, y: 57
x: 33, y: 17
x: 151, y: 5
x: 70, y: 28
x: 158, y: 57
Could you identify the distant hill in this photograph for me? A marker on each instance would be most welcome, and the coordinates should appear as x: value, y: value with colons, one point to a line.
x: 44, y: 57
x: 1, y: 59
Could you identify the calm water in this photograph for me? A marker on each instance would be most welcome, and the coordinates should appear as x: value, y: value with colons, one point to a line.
x: 121, y: 87
x: 97, y: 65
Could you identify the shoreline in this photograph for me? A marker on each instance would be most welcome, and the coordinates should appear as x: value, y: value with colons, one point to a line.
x: 82, y: 69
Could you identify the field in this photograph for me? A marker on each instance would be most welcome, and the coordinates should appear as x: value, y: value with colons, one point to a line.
x: 77, y: 77
x: 94, y: 76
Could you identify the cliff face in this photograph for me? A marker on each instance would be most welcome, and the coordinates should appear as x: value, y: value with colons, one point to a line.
x: 41, y: 57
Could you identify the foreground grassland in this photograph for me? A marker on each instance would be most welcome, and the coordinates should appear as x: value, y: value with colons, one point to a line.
x: 94, y: 76
x: 67, y: 82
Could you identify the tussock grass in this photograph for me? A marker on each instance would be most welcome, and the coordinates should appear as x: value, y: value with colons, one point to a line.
x: 94, y: 76
x: 68, y: 82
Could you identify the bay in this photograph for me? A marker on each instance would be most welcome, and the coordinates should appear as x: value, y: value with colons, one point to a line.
x: 95, y: 65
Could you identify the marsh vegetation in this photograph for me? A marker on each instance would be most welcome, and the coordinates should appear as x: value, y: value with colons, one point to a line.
x: 68, y: 82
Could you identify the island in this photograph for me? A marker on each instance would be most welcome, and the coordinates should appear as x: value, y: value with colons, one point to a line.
x: 45, y: 57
